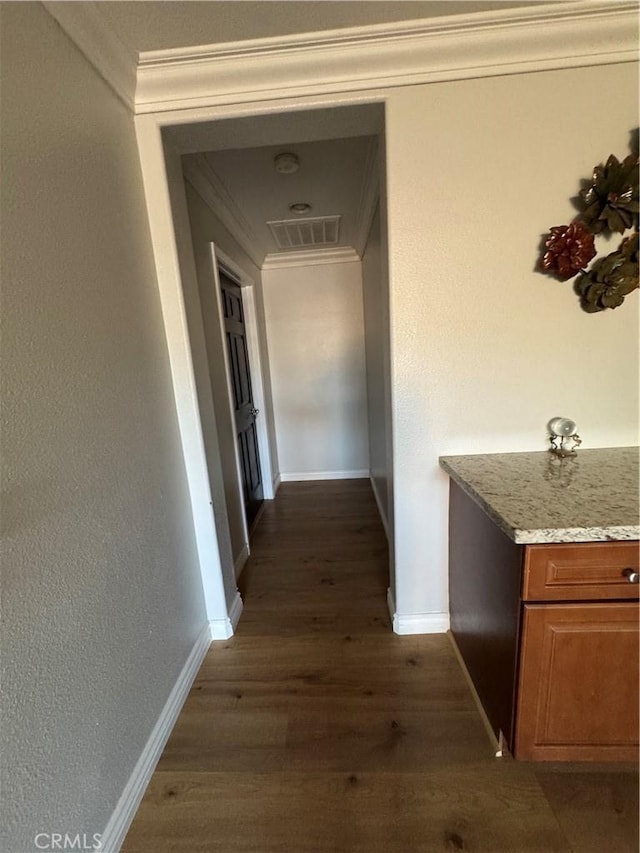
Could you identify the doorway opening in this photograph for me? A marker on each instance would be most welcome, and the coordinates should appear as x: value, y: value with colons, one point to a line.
x: 292, y: 303
x: 244, y: 410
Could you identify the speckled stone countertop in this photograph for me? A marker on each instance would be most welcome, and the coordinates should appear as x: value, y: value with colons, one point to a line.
x: 538, y: 498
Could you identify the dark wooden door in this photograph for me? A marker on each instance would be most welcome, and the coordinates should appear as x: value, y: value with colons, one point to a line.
x: 242, y: 397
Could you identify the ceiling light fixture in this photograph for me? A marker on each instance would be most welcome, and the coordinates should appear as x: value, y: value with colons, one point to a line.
x: 300, y: 208
x: 286, y: 163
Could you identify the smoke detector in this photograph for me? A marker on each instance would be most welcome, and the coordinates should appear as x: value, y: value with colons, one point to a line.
x: 286, y: 163
x: 300, y: 208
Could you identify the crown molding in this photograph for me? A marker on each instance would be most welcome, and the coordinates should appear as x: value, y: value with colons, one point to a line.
x: 95, y: 38
x: 313, y: 257
x: 455, y: 47
x: 203, y: 179
x: 231, y: 269
x: 368, y: 197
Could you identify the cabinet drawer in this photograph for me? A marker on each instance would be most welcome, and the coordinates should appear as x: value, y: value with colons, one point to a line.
x: 586, y: 571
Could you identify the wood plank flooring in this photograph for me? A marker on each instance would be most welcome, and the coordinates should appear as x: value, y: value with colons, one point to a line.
x: 315, y: 729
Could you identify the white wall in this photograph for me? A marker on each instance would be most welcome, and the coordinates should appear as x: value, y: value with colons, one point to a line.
x: 208, y: 496
x: 315, y: 335
x: 205, y: 229
x: 375, y: 287
x: 486, y: 350
x: 102, y: 598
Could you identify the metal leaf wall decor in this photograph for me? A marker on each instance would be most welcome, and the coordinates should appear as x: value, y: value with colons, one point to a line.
x: 608, y: 204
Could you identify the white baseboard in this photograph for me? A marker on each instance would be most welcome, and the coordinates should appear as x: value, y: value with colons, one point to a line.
x: 416, y: 623
x: 421, y: 623
x: 276, y: 484
x: 391, y: 606
x: 323, y: 475
x: 242, y: 558
x: 124, y: 812
x: 381, y: 512
x: 235, y: 612
x: 222, y: 629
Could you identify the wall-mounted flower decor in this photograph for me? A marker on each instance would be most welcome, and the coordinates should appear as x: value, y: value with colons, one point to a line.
x: 569, y: 250
x: 608, y: 204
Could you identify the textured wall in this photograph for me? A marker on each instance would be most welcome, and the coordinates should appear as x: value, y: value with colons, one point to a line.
x: 375, y: 289
x: 486, y: 350
x: 102, y: 592
x: 315, y: 335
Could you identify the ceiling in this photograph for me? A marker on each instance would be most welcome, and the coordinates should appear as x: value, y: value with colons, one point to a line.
x: 283, y: 128
x: 144, y: 26
x: 332, y: 177
x: 338, y: 152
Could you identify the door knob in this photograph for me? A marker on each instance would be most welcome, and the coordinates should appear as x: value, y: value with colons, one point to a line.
x: 255, y: 412
x: 631, y: 575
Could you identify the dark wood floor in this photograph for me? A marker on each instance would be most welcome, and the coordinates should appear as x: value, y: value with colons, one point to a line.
x: 316, y: 730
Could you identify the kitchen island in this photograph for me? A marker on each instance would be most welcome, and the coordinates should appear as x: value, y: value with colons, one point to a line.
x: 543, y: 590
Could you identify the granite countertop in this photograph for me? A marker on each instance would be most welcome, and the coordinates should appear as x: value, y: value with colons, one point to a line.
x: 540, y: 498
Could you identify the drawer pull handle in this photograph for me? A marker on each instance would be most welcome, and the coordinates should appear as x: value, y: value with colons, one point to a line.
x: 631, y: 576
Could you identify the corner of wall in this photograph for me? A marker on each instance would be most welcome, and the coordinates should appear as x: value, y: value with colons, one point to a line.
x: 224, y: 629
x: 416, y: 623
x: 94, y: 37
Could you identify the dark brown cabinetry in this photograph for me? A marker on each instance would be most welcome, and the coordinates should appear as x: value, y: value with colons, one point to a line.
x: 549, y: 637
x: 578, y: 683
x: 592, y: 571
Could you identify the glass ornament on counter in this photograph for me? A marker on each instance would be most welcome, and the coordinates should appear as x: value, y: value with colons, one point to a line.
x: 563, y: 437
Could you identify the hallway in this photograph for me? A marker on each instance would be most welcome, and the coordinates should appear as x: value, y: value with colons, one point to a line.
x: 316, y: 730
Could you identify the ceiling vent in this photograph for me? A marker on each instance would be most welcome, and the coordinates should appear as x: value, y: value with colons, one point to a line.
x: 303, y: 233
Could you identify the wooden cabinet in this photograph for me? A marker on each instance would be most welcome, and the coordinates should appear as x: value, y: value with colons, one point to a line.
x: 578, y: 683
x: 549, y: 637
x: 586, y: 571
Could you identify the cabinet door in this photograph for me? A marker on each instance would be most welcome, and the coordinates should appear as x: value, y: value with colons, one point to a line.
x: 578, y: 683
